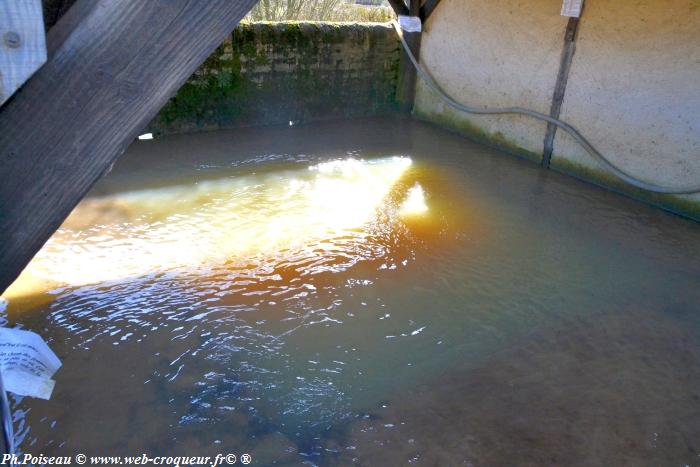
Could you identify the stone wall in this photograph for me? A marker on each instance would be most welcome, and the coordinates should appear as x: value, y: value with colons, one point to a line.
x: 632, y: 89
x: 272, y: 73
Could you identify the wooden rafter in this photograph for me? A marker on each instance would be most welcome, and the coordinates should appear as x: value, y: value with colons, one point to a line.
x: 427, y: 9
x: 405, y: 91
x: 112, y: 65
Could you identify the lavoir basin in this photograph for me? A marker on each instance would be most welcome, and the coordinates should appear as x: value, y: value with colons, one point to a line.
x: 369, y: 292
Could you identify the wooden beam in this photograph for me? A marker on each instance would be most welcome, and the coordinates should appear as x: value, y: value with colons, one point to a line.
x: 406, y: 88
x: 113, y: 71
x: 427, y: 9
x: 54, y: 10
x: 565, y: 62
x: 399, y: 7
x: 22, y: 44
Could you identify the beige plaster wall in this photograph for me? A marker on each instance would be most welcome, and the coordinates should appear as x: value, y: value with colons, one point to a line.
x: 633, y: 90
x: 493, y: 53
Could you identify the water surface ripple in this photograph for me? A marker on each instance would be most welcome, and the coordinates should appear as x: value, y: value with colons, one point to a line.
x: 374, y: 292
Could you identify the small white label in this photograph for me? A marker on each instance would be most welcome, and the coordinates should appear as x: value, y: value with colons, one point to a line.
x: 572, y: 8
x: 410, y: 23
x: 27, y: 363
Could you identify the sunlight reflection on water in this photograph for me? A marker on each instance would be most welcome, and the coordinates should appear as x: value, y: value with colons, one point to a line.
x: 308, y: 299
x: 230, y: 219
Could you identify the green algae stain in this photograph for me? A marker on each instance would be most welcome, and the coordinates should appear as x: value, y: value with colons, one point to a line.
x: 268, y: 73
x: 460, y: 124
x: 676, y: 204
x: 681, y: 205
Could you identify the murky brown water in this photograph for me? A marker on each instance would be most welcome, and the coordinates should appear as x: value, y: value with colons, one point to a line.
x: 375, y: 292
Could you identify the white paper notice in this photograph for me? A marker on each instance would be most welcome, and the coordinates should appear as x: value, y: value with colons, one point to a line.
x: 571, y: 8
x: 27, y: 363
x: 410, y: 23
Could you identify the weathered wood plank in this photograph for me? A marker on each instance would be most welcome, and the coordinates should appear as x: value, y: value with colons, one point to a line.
x: 427, y: 9
x: 567, y: 58
x: 113, y: 71
x: 22, y: 43
x: 406, y: 88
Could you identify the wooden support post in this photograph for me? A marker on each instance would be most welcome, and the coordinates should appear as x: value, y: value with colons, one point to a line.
x: 427, y: 9
x: 567, y: 58
x: 406, y: 89
x: 117, y: 64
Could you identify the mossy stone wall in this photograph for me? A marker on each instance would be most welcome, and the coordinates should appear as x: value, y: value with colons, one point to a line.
x: 272, y: 73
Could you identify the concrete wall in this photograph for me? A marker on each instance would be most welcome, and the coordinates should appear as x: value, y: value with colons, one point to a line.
x: 268, y: 73
x: 633, y: 88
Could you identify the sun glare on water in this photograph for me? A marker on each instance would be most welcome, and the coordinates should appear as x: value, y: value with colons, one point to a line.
x: 190, y: 226
x: 415, y: 202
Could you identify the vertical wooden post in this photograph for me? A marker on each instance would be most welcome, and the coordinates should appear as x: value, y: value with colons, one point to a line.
x: 407, y: 74
x: 567, y: 58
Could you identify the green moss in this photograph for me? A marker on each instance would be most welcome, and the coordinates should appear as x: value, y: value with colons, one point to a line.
x: 333, y: 33
x: 275, y: 72
x: 677, y: 204
x: 292, y: 33
x: 463, y: 126
x: 249, y: 50
x: 204, y: 96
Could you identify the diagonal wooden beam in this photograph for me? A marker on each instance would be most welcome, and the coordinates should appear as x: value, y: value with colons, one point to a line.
x: 399, y: 7
x: 427, y: 8
x: 22, y: 44
x: 116, y: 65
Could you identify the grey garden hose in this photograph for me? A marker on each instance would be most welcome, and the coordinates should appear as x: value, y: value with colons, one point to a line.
x: 573, y: 132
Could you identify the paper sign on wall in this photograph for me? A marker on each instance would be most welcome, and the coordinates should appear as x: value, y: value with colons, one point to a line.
x: 572, y: 8
x: 27, y: 363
